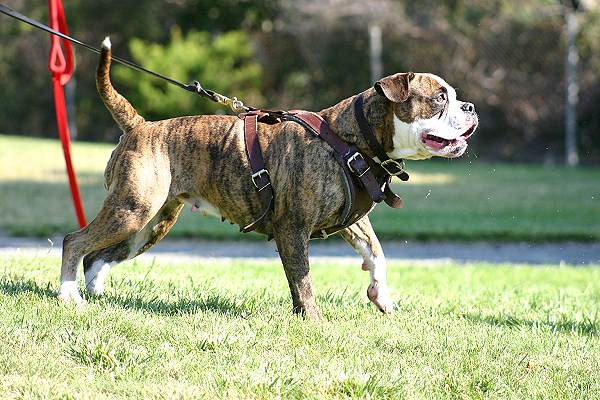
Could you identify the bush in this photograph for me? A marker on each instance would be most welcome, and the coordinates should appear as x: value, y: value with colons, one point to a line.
x: 224, y: 63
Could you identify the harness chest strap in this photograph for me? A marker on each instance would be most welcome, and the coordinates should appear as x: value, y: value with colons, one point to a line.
x: 348, y: 153
x: 360, y: 186
x: 357, y: 202
x: 356, y: 168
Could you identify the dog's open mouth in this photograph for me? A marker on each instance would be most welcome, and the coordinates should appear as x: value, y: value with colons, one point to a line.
x: 438, y: 143
x: 435, y: 142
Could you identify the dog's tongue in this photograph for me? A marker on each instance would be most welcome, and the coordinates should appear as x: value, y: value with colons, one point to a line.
x: 433, y: 143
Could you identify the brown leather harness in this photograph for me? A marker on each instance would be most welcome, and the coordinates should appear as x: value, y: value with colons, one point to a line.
x: 366, y: 181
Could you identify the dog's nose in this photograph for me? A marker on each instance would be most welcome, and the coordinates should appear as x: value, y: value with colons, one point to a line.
x: 468, y: 107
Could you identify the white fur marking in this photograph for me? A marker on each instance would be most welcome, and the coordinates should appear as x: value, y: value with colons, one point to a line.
x: 96, y: 275
x: 106, y: 43
x: 377, y: 270
x: 407, y: 141
x: 70, y: 292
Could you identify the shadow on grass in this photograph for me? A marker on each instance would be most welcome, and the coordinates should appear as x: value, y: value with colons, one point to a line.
x: 16, y: 286
x: 587, y: 327
x: 212, y: 303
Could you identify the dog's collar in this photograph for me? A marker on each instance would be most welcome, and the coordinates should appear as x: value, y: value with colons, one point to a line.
x: 393, y: 167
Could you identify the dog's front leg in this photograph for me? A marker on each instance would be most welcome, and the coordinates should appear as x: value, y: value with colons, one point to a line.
x: 292, y: 245
x: 362, y: 238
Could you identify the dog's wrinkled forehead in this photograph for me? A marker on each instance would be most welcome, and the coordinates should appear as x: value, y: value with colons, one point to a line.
x: 429, y: 85
x: 414, y: 95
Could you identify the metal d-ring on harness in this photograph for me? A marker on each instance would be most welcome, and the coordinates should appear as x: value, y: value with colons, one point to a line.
x: 366, y: 182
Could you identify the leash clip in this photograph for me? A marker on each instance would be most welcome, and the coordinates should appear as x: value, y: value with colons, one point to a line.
x: 235, y: 104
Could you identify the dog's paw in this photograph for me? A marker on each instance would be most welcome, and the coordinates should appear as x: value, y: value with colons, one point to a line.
x: 380, y: 297
x: 69, y: 293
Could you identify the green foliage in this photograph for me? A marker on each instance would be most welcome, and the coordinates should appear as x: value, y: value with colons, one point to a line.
x: 224, y: 64
x: 505, y: 56
x: 224, y: 15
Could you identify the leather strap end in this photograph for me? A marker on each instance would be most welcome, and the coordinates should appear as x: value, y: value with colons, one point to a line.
x: 392, y: 199
x: 260, y: 220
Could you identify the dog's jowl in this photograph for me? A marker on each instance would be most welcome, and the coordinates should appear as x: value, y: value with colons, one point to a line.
x: 158, y: 167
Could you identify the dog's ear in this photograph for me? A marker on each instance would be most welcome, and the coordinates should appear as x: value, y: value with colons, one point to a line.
x: 396, y: 87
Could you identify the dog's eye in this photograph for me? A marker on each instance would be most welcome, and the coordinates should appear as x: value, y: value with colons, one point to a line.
x: 441, y: 98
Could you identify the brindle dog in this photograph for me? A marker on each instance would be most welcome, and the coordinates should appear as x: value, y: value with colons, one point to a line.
x: 159, y: 166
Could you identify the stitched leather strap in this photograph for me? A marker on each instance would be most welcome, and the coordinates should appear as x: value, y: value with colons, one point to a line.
x: 389, y: 165
x: 260, y: 175
x: 357, y: 169
x: 347, y: 153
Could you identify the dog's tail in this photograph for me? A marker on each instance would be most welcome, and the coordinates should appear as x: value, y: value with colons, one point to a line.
x: 122, y: 111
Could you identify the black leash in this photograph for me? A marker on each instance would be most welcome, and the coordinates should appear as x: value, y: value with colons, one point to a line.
x: 195, y: 87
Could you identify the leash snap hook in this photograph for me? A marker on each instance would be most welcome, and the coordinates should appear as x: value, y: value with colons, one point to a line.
x: 197, y: 87
x: 236, y: 105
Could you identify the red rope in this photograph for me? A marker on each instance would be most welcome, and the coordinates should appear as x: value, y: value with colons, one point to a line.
x: 61, y: 67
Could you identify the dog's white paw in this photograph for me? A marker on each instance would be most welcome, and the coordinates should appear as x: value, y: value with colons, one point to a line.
x: 380, y: 297
x: 69, y: 293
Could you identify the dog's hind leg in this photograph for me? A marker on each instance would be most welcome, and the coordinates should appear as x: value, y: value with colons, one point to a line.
x: 97, y: 264
x: 362, y: 238
x: 126, y: 210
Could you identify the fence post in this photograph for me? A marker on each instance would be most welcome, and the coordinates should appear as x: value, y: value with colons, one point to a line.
x: 375, y: 52
x: 572, y: 89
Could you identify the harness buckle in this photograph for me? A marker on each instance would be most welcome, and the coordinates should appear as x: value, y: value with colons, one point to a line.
x: 257, y: 175
x: 355, y: 157
x: 390, y: 164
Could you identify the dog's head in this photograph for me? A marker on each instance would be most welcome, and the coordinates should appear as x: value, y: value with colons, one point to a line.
x: 428, y: 118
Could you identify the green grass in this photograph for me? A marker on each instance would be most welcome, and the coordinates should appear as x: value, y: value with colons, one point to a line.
x: 223, y: 329
x: 458, y: 199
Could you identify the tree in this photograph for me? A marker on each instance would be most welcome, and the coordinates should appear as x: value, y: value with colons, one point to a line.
x: 224, y: 64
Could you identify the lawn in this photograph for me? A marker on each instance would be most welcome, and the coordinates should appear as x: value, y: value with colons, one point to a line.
x: 223, y: 329
x: 445, y: 199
